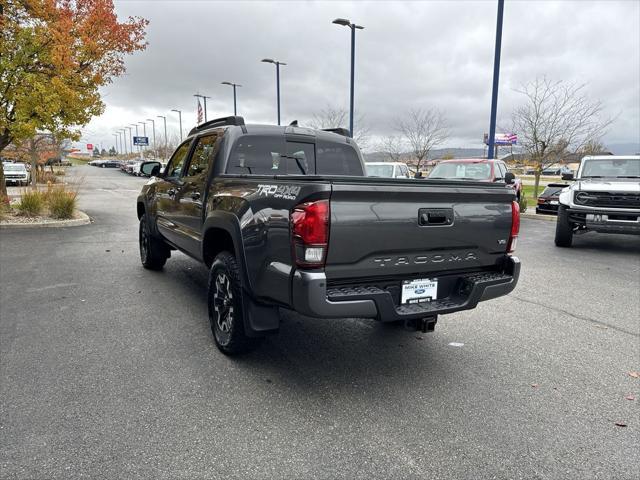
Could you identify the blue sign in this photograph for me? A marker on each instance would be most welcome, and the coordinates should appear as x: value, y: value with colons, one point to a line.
x: 141, y: 141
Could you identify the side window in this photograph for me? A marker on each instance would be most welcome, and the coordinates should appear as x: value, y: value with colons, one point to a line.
x: 337, y: 159
x: 301, y: 158
x: 202, y: 157
x: 404, y: 170
x: 258, y: 155
x: 174, y: 168
x: 499, y: 170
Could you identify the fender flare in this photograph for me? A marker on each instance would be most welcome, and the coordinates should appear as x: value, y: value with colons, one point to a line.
x: 229, y: 222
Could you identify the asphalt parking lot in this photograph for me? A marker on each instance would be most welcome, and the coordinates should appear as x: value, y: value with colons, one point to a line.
x: 109, y: 370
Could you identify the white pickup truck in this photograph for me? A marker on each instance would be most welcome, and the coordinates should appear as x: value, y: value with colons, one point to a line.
x: 605, y: 197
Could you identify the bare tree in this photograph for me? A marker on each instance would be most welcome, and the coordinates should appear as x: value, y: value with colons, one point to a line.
x: 391, y: 146
x: 593, y: 147
x: 423, y: 130
x: 556, y: 118
x: 332, y: 117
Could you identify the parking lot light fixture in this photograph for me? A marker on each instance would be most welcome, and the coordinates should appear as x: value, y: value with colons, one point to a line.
x: 234, y: 85
x: 153, y: 126
x: 180, y: 119
x: 164, y: 119
x: 347, y: 23
x: 277, y: 64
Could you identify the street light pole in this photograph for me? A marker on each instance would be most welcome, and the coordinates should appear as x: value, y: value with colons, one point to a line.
x: 496, y: 77
x: 123, y: 140
x: 116, y: 135
x: 130, y: 139
x: 139, y: 151
x: 153, y: 125
x: 144, y: 134
x: 346, y: 23
x: 164, y: 119
x: 203, y: 97
x: 234, y: 85
x: 180, y: 118
x: 277, y: 64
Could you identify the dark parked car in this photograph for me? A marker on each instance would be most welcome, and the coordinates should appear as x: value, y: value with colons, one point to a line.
x: 548, y: 199
x: 285, y: 217
x: 110, y: 164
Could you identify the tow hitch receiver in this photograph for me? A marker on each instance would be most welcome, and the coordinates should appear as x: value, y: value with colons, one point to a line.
x: 424, y: 325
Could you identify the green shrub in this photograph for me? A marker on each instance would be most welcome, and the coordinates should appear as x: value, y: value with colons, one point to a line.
x: 62, y: 203
x: 523, y: 204
x: 31, y: 203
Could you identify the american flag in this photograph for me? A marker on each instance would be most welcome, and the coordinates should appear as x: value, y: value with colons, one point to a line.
x: 199, y: 112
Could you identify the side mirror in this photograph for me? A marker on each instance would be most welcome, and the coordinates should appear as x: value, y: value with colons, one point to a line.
x: 150, y: 169
x: 509, y: 178
x: 567, y: 176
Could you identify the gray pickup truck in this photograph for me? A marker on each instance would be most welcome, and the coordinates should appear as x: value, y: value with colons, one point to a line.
x: 605, y: 198
x: 284, y: 217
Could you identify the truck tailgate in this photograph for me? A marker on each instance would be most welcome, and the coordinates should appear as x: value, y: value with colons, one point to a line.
x: 392, y: 228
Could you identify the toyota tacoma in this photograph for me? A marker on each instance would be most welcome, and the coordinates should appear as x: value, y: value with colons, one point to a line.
x: 284, y: 217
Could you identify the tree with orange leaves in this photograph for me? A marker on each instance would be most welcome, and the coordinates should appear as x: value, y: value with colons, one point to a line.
x: 54, y: 57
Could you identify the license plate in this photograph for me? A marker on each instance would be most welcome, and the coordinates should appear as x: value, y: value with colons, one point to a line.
x: 421, y: 290
x: 553, y: 202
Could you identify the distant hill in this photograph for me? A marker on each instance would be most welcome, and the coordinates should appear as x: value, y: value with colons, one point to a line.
x: 624, y: 148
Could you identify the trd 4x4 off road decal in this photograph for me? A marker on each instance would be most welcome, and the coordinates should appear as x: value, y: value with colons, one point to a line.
x: 288, y: 192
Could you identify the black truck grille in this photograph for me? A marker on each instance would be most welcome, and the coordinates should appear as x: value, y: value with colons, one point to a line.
x: 606, y: 199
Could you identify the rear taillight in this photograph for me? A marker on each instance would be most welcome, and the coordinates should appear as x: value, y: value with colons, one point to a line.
x: 310, y: 233
x: 515, y: 227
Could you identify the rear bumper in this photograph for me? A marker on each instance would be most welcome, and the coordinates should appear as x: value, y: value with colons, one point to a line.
x: 311, y: 296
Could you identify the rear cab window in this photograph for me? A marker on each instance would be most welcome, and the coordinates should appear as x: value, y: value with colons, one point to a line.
x: 274, y: 155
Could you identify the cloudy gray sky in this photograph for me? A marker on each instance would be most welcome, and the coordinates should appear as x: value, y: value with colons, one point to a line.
x: 411, y: 54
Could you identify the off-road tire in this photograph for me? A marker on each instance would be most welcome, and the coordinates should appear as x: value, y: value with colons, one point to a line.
x: 153, y: 251
x: 226, y: 313
x: 564, y: 228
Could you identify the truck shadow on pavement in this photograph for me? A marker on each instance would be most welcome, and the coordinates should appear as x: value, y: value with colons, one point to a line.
x: 312, y: 355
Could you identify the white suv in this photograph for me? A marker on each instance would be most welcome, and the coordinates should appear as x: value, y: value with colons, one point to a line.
x: 605, y: 197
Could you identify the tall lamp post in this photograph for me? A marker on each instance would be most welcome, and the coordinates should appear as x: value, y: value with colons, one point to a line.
x: 153, y: 126
x: 116, y: 135
x: 144, y: 134
x: 180, y: 119
x: 130, y: 139
x: 277, y: 64
x: 496, y: 78
x: 164, y: 119
x: 234, y: 85
x: 346, y: 23
x: 123, y: 139
x: 204, y: 97
x: 139, y: 151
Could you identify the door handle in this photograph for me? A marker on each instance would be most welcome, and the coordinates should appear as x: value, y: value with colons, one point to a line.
x: 195, y: 195
x: 171, y: 192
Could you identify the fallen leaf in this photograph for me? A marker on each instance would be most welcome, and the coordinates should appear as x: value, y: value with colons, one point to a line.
x: 534, y: 385
x: 634, y: 374
x: 603, y: 327
x: 419, y: 337
x: 620, y: 424
x: 630, y: 397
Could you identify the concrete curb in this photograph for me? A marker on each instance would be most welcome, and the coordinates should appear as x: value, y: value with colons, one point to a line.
x: 549, y: 218
x: 83, y: 219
